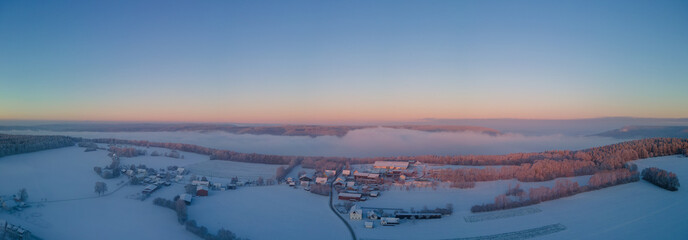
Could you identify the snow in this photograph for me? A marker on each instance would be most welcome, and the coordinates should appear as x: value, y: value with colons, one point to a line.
x: 269, y: 212
x: 67, y: 173
x: 229, y: 169
x: 631, y: 211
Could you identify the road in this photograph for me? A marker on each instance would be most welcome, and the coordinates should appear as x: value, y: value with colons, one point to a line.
x: 351, y: 230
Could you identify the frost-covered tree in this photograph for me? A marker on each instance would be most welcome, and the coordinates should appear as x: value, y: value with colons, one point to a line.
x: 100, y: 188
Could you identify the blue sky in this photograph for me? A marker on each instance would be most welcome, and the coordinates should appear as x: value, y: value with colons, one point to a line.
x: 339, y: 61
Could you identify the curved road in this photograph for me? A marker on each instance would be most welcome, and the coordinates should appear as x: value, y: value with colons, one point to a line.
x: 351, y: 230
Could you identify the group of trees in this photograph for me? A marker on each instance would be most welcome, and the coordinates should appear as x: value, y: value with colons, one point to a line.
x: 16, y: 144
x: 516, y: 197
x: 127, y: 151
x: 661, y: 178
x: 321, y: 189
x: 202, y: 232
x: 567, y: 163
x: 110, y: 171
x: 282, y: 172
x: 178, y: 205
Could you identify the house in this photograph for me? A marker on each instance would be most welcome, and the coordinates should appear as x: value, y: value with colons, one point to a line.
x: 141, y: 171
x: 202, y: 190
x: 355, y: 213
x: 231, y: 186
x: 351, y: 196
x: 374, y: 193
x: 180, y: 170
x: 305, y: 184
x: 339, y: 182
x: 389, y: 221
x: 14, y: 232
x: 321, y: 180
x: 396, y: 165
x: 372, y: 215
x: 178, y: 178
x: 150, y: 189
x: 330, y: 173
x: 346, y: 172
x: 129, y: 172
x: 305, y: 178
x: 350, y: 184
x: 186, y: 198
x: 368, y: 224
x: 200, y: 183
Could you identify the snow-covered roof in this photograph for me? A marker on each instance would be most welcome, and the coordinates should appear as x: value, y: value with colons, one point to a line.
x: 391, y: 164
x: 353, y: 195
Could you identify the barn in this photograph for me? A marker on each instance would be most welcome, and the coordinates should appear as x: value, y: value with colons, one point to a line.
x: 202, y: 190
x: 351, y: 196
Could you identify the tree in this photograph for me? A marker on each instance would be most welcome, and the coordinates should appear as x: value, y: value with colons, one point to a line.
x: 100, y: 188
x: 190, y: 189
x: 23, y: 195
x: 180, y: 208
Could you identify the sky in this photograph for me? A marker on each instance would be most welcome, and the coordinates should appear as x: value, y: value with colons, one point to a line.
x: 341, y: 61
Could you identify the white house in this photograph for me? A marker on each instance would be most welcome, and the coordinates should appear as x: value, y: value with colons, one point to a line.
x: 355, y: 213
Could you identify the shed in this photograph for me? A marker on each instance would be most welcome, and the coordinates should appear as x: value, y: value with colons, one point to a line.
x: 186, y: 197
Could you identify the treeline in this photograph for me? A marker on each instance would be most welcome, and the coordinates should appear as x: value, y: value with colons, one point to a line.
x: 16, y: 144
x: 282, y: 172
x: 127, y: 151
x: 661, y: 178
x: 179, y: 206
x: 570, y: 163
x: 516, y: 197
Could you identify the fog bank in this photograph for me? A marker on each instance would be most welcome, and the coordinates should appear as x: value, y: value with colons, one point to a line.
x: 373, y: 142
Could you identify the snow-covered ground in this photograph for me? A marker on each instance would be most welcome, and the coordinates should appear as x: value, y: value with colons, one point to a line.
x: 631, y: 211
x: 269, y: 212
x: 67, y: 174
x: 229, y: 169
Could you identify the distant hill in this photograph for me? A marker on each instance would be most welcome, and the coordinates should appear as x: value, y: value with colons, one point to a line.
x: 277, y: 130
x: 646, y: 132
x: 448, y: 128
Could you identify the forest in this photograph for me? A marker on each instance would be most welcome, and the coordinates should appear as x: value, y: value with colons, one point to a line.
x: 16, y: 144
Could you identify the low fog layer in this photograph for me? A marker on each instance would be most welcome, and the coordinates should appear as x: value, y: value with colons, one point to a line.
x: 372, y: 142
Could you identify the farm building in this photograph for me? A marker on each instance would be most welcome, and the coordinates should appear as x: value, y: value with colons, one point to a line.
x: 351, y: 196
x: 355, y: 213
x: 330, y: 173
x: 201, y: 190
x: 346, y: 172
x: 418, y: 215
x: 321, y: 180
x: 368, y: 224
x: 396, y: 165
x: 150, y: 189
x: 200, y: 183
x: 389, y: 221
x: 186, y: 198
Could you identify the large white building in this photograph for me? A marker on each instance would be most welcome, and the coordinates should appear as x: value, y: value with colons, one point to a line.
x: 391, y: 165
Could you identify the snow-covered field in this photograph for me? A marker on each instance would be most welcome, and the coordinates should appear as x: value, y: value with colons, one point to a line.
x: 65, y: 174
x: 269, y: 212
x: 229, y: 169
x: 631, y: 211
